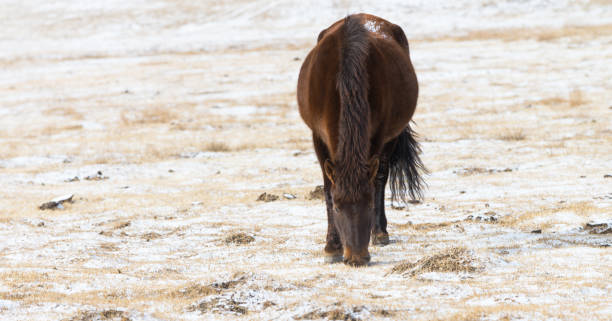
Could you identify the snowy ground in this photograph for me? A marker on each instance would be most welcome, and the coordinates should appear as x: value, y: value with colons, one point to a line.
x: 188, y: 111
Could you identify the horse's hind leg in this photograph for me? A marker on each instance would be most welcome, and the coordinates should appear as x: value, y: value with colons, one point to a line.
x: 333, y: 247
x: 379, y: 229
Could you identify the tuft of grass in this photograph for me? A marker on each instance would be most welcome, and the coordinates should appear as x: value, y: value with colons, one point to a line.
x: 456, y: 259
x: 218, y: 147
x: 239, y: 238
x: 512, y: 135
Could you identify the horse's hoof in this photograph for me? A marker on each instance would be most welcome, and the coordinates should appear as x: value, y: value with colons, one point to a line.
x: 380, y: 239
x: 331, y: 259
x: 357, y: 261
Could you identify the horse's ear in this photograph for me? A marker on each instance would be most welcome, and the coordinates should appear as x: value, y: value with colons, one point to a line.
x: 328, y: 167
x: 374, y: 162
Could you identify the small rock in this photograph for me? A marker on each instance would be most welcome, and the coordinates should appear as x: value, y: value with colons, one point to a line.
x: 56, y: 203
x: 74, y: 179
x: 414, y: 202
x: 289, y: 196
x: 461, y: 192
x: 296, y: 58
x: 196, y: 203
x: 538, y: 231
x: 171, y: 171
x: 607, y: 176
x: 265, y: 197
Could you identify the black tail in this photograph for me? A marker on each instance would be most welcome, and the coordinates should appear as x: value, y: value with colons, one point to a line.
x: 406, y: 168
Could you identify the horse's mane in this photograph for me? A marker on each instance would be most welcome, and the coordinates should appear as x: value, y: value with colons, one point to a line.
x: 352, y: 156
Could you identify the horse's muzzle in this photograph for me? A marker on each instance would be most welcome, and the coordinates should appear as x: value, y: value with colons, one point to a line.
x: 356, y: 258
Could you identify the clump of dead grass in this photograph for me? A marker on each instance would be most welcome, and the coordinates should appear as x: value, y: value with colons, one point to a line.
x: 239, y: 238
x: 456, y: 259
x: 512, y: 135
x: 217, y: 147
x: 267, y: 197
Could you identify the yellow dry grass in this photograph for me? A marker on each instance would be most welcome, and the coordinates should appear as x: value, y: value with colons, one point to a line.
x: 581, y: 32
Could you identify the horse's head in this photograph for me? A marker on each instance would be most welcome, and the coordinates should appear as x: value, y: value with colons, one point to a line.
x: 353, y: 210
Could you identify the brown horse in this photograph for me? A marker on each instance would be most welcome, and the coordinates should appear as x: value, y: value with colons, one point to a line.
x: 357, y: 91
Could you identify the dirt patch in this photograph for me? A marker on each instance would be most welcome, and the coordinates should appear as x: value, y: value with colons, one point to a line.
x: 317, y: 194
x: 265, y: 197
x: 456, y: 259
x: 109, y: 314
x: 239, y: 238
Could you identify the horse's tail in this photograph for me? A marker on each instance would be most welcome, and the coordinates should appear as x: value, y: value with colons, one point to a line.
x: 406, y: 168
x: 353, y: 87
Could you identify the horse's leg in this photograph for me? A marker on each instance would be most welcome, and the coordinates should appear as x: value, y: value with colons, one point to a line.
x: 379, y: 229
x: 333, y: 247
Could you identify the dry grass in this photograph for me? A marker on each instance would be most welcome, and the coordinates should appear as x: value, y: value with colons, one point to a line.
x: 582, y: 32
x: 219, y: 147
x: 239, y: 238
x: 512, y: 135
x: 150, y: 115
x: 546, y: 217
x: 456, y: 259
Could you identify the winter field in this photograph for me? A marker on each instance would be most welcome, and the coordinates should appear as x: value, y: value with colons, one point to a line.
x: 166, y: 120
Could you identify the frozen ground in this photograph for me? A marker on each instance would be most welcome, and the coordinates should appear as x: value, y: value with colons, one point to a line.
x: 188, y: 111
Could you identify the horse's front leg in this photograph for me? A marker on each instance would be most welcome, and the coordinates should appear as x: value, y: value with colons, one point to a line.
x: 333, y: 247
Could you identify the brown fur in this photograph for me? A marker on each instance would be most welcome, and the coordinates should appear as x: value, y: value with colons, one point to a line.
x: 357, y: 91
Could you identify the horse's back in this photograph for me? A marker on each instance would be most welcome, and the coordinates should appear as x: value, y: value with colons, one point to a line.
x: 392, y: 83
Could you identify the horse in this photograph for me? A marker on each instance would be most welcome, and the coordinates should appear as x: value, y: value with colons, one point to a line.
x: 357, y: 92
